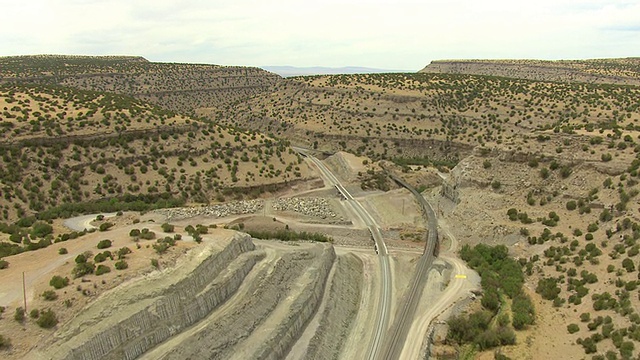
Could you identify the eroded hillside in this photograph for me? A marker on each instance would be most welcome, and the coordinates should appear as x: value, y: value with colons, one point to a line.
x: 178, y: 87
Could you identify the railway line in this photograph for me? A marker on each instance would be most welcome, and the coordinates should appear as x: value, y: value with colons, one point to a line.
x: 398, y: 332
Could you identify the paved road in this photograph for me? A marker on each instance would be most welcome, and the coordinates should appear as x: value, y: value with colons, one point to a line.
x: 384, y: 305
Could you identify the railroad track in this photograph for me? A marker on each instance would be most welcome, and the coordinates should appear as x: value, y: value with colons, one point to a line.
x: 398, y: 334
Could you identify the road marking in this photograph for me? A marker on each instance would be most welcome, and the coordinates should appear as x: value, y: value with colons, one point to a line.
x: 461, y: 276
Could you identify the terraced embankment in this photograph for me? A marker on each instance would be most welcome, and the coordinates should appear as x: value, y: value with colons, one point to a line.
x: 137, y: 316
x: 340, y: 311
x: 280, y: 301
x: 228, y: 299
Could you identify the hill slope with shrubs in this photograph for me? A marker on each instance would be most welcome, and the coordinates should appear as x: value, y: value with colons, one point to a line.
x: 67, y: 151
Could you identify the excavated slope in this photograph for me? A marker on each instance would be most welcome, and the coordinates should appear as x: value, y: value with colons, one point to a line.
x: 264, y: 325
x: 132, y: 318
x: 247, y: 302
x: 337, y: 319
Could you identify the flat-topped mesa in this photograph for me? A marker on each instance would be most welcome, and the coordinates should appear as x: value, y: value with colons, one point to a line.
x: 173, y: 86
x: 624, y: 71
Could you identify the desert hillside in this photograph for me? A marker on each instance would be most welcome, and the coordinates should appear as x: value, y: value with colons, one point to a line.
x: 442, y: 117
x: 598, y: 71
x: 65, y: 150
x: 177, y: 87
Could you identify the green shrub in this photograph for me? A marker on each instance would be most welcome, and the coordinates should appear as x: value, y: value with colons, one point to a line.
x: 34, y: 314
x: 168, y: 228
x: 48, y: 319
x: 147, y: 234
x: 58, y: 282
x: 83, y: 268
x: 134, y: 232
x: 571, y: 205
x: 103, y: 256
x: 19, y: 315
x: 123, y: 252
x: 105, y: 226
x: 102, y: 269
x: 103, y: 244
x: 155, y: 263
x: 4, y: 264
x: 49, y: 295
x: 63, y: 251
x: 5, y: 342
x: 573, y: 328
x: 121, y: 265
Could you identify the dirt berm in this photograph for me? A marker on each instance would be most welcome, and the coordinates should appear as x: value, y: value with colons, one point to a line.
x: 134, y: 317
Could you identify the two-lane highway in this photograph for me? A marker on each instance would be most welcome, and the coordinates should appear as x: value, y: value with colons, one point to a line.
x: 384, y: 304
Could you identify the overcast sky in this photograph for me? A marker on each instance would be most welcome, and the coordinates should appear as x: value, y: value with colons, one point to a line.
x: 389, y: 34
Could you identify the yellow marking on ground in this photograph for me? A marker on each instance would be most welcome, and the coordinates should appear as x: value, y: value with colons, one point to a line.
x: 461, y: 276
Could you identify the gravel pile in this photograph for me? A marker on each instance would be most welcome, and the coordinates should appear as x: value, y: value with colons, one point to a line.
x: 315, y: 207
x: 218, y: 210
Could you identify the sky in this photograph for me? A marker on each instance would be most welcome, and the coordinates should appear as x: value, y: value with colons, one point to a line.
x: 387, y: 34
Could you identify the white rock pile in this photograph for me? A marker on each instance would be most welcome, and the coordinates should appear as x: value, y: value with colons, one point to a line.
x: 216, y: 211
x: 312, y: 206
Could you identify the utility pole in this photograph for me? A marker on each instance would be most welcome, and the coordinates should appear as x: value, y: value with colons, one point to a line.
x: 24, y: 293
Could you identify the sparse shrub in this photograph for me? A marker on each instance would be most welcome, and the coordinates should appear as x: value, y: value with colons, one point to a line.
x: 102, y: 269
x: 585, y: 317
x: 5, y: 342
x: 49, y: 295
x: 34, y: 314
x: 48, y: 319
x: 105, y: 226
x: 83, y: 268
x: 19, y: 315
x: 147, y: 234
x: 123, y: 252
x: 121, y: 265
x: 573, y: 328
x: 155, y: 263
x: 103, y: 244
x: 58, y: 282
